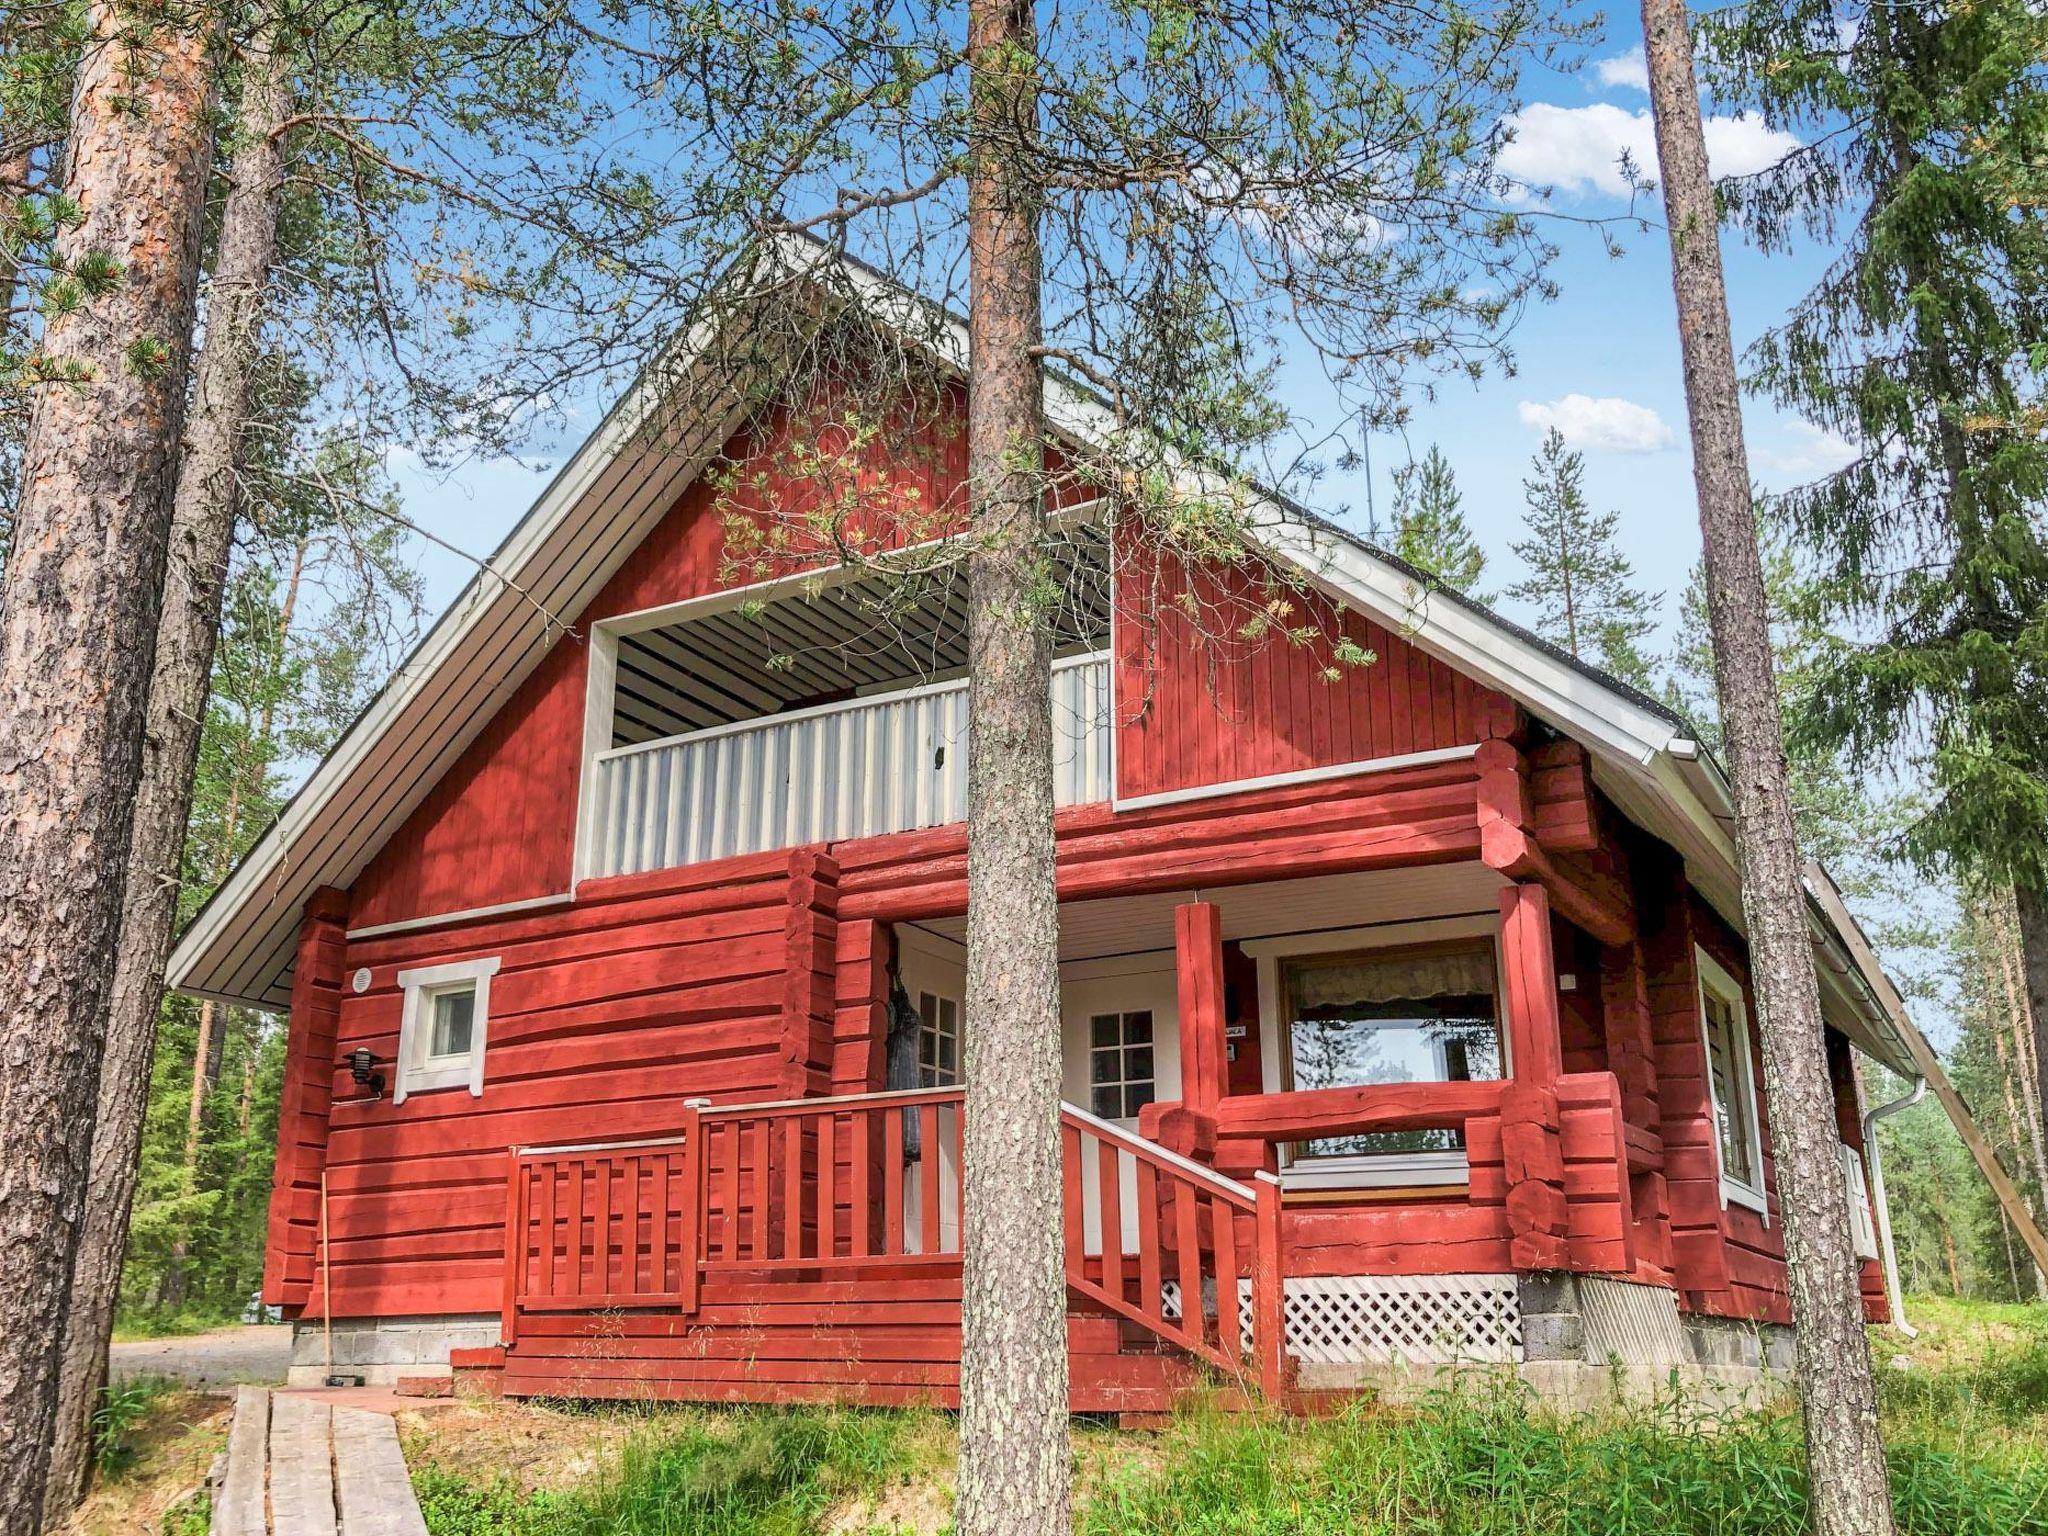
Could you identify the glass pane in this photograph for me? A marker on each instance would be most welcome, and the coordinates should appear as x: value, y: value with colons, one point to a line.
x: 1102, y: 1029
x: 1136, y: 1097
x: 1415, y: 1018
x: 1102, y: 1067
x: 1138, y: 1064
x: 1138, y: 1027
x: 454, y: 1020
x: 1107, y: 1101
x: 1731, y: 1092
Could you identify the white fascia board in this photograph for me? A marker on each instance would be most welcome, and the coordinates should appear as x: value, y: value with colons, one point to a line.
x: 505, y: 571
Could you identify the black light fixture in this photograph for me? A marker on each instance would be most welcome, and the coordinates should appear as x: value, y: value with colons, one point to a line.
x: 362, y: 1066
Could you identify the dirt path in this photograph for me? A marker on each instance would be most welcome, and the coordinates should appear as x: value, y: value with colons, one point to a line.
x: 257, y: 1353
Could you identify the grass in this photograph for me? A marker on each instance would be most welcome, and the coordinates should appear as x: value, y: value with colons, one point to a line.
x: 153, y: 1442
x: 1965, y: 1411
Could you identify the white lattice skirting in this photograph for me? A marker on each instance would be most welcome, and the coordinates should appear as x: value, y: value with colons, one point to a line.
x: 1394, y: 1319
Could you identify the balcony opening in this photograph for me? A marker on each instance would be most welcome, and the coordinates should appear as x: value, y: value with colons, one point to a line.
x: 826, y: 714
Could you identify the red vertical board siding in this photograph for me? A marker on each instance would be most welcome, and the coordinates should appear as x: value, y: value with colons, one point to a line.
x: 1197, y: 706
x: 303, y: 1107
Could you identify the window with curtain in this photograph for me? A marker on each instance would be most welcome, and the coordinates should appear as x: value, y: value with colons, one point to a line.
x: 1422, y: 1015
x: 1732, y: 1082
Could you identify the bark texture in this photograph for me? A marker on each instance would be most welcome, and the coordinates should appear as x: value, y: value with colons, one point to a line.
x: 1014, y: 1473
x: 195, y: 571
x: 77, y: 628
x: 2030, y: 908
x: 1850, y: 1493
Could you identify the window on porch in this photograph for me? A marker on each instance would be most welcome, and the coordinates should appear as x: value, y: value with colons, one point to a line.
x: 1428, y: 1014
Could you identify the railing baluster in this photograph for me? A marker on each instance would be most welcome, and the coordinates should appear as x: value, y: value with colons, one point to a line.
x: 793, y: 1187
x: 1269, y: 1294
x: 928, y: 1178
x: 1074, y: 1225
x: 860, y: 1213
x: 1188, y: 1235
x: 1229, y: 1335
x: 893, y: 1174
x: 576, y: 1171
x: 828, y: 1192
x: 762, y: 1175
x: 1151, y: 1284
x: 601, y: 1236
x: 1110, y: 1177
x: 729, y: 1226
x: 657, y: 1259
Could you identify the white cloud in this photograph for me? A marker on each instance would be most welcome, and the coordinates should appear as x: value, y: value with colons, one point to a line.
x: 1624, y: 71
x: 1805, y: 452
x: 1580, y: 149
x: 1608, y: 424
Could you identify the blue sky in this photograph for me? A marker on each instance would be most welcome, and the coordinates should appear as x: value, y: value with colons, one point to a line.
x: 1601, y: 362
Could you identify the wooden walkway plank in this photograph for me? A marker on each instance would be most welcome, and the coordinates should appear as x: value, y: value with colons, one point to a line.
x: 238, y: 1510
x: 375, y: 1491
x: 301, y: 1468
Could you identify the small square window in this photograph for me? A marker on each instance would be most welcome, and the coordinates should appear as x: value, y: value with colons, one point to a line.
x: 454, y: 1020
x: 441, y: 1036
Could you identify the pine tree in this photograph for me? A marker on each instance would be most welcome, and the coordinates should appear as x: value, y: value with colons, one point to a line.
x: 1580, y: 583
x: 1430, y: 531
x: 1849, y: 1481
x: 1921, y: 345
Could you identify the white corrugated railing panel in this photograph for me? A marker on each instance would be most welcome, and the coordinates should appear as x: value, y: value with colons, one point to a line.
x: 893, y: 763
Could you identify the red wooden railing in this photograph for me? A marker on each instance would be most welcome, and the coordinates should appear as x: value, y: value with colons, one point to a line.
x: 871, y: 1183
x: 1156, y: 1220
x: 590, y: 1228
x: 818, y: 1184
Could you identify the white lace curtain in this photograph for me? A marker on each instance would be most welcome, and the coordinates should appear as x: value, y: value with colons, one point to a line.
x: 1396, y: 978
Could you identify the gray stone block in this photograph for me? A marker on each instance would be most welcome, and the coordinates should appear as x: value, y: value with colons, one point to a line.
x: 1553, y: 1336
x: 1554, y: 1290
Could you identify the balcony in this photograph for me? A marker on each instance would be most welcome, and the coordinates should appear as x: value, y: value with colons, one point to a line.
x: 890, y: 762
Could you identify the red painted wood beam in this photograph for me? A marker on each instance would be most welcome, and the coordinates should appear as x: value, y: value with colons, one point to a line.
x: 1198, y: 962
x: 1355, y: 1111
x: 1507, y: 842
x: 1530, y: 984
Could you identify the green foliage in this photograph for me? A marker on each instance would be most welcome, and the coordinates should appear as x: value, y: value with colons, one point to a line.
x: 123, y: 1405
x: 1927, y: 128
x: 769, y: 1471
x: 1580, y: 584
x: 1479, y: 1460
x: 1430, y: 531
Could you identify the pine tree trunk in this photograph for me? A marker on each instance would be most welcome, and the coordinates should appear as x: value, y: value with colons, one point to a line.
x: 2011, y: 975
x: 2030, y: 908
x: 202, y: 536
x: 77, y: 628
x: 1014, y: 1477
x: 1850, y: 1491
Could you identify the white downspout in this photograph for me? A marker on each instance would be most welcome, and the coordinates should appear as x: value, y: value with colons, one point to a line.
x: 1875, y: 1165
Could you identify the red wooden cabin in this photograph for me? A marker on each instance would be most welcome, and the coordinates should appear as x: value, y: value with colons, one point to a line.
x: 1406, y: 1016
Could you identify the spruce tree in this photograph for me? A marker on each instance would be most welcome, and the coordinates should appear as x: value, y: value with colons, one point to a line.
x: 1430, y: 531
x: 1580, y: 584
x: 1921, y: 345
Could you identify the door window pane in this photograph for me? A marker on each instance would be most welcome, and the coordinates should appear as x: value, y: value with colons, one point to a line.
x: 1120, y: 1081
x: 1408, y: 1016
x: 938, y: 1041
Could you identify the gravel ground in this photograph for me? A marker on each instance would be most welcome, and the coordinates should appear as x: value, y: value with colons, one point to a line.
x: 256, y: 1353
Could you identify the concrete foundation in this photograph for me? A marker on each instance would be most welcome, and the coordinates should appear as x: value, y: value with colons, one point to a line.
x: 381, y: 1350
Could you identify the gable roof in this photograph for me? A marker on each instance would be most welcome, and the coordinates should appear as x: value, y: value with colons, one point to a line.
x: 627, y: 474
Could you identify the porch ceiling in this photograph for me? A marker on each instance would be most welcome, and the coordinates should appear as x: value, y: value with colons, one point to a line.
x: 866, y: 635
x: 1120, y: 925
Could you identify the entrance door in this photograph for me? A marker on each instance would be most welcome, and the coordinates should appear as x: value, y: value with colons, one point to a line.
x: 1121, y: 1040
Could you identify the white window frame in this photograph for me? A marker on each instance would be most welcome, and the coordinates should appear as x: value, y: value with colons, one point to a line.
x: 1714, y: 978
x: 416, y: 1073
x: 1378, y: 1170
x: 933, y: 1027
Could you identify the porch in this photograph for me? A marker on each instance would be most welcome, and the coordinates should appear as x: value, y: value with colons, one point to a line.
x: 811, y: 1246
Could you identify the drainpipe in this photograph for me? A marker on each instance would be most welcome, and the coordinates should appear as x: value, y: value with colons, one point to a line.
x: 1875, y: 1165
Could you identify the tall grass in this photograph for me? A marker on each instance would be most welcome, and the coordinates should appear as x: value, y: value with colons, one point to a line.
x: 768, y: 1471
x: 1479, y: 1460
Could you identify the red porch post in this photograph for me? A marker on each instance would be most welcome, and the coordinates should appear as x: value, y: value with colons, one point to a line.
x: 1198, y: 960
x: 1531, y: 1147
